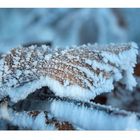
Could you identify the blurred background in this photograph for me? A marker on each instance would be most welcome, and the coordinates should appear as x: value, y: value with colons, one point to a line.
x: 66, y: 27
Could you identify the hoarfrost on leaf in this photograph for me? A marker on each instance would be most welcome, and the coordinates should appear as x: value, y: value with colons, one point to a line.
x: 66, y: 80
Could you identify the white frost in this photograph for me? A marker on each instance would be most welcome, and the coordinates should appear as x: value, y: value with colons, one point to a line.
x: 93, y: 119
